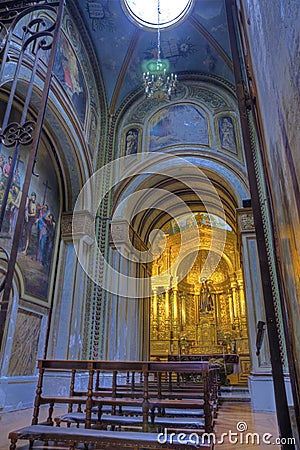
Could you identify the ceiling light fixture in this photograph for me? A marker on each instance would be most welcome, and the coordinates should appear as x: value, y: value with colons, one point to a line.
x: 157, y: 83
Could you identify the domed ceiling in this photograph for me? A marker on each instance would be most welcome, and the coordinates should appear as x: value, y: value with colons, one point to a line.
x: 200, y: 43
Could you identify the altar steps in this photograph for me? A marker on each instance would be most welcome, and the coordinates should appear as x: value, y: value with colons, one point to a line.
x: 235, y: 394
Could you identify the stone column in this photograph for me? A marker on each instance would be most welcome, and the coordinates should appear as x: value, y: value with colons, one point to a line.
x: 126, y: 313
x: 68, y: 319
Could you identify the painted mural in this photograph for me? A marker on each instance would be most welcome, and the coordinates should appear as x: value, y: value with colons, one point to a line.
x: 69, y: 73
x: 67, y: 69
x: 40, y: 218
x: 178, y: 124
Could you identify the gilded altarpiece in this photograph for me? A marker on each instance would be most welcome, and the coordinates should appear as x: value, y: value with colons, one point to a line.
x: 198, y: 316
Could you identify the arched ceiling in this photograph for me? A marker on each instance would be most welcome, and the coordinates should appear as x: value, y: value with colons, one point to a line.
x: 145, y: 220
x: 198, y: 44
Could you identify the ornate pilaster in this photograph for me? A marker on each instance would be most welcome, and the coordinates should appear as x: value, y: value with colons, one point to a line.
x: 260, y: 379
x: 72, y: 294
x: 254, y: 294
x: 125, y: 312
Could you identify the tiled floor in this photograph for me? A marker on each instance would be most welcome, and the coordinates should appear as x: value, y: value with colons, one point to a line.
x: 232, y: 417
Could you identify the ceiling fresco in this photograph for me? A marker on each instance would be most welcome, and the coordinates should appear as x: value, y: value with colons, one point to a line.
x: 199, y: 44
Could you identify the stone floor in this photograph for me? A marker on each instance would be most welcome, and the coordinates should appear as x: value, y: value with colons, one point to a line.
x: 233, y: 417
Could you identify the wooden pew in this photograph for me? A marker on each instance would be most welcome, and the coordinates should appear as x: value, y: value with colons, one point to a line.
x: 153, y: 401
x: 150, y: 400
x: 108, y: 439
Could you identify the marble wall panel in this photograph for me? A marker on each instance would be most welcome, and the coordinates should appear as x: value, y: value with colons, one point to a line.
x: 25, y: 344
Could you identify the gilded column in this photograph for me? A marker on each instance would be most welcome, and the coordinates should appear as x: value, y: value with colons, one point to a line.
x: 231, y: 313
x: 242, y: 299
x: 154, y: 312
x: 235, y: 304
x: 175, y: 307
x: 183, y: 313
x: 167, y: 309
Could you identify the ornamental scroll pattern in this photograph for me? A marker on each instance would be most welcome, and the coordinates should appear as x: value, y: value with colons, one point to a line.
x: 246, y: 222
x: 15, y: 134
x: 83, y: 225
x: 213, y: 101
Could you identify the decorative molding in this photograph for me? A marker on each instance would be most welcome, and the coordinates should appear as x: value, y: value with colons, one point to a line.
x: 134, y: 99
x: 245, y: 220
x: 211, y: 99
x: 123, y: 234
x: 82, y: 226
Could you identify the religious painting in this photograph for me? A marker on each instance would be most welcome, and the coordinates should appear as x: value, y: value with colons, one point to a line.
x: 39, y: 226
x: 67, y: 69
x: 177, y: 125
x: 131, y: 145
x: 69, y: 73
x: 227, y: 134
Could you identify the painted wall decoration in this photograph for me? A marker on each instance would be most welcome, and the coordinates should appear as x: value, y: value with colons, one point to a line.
x: 131, y: 145
x: 40, y: 219
x: 202, y: 219
x: 69, y: 73
x: 67, y: 68
x: 227, y: 134
x: 93, y: 131
x: 101, y: 16
x: 178, y: 124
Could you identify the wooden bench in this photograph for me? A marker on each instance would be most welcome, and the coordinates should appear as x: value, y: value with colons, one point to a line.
x: 160, y: 391
x: 147, y: 400
x: 107, y: 439
x: 134, y: 421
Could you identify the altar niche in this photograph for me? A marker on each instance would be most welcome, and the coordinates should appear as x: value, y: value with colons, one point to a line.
x: 199, y: 315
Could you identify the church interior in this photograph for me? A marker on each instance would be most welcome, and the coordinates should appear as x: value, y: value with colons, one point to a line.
x: 149, y: 199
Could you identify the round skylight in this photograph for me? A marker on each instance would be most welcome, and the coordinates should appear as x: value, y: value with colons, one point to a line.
x: 145, y: 12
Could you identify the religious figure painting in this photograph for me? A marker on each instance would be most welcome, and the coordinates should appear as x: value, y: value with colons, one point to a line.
x: 69, y: 73
x: 39, y: 223
x: 178, y: 124
x: 67, y: 69
x: 227, y: 134
x: 131, y: 146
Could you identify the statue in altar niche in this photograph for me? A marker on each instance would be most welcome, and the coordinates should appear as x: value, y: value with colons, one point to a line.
x: 206, y: 298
